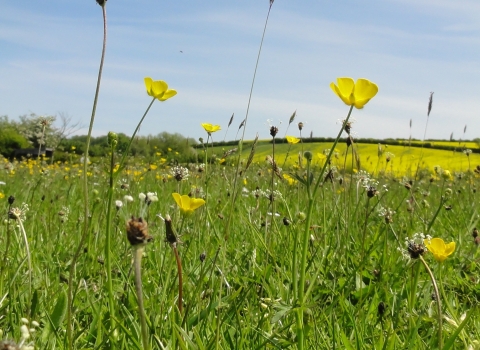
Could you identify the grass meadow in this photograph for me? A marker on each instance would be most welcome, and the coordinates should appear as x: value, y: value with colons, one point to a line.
x: 365, y: 291
x: 272, y: 246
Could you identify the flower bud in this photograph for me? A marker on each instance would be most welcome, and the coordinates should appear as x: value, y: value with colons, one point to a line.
x: 112, y: 139
x: 308, y: 155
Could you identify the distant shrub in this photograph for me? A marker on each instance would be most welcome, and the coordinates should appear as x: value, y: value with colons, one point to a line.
x: 10, y: 140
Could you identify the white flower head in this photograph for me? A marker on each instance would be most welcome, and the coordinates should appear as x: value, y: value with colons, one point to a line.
x: 152, y: 197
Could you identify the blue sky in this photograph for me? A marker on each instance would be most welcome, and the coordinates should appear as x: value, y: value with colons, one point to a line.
x: 50, y: 52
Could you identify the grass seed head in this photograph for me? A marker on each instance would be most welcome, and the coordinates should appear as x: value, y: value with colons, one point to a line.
x: 137, y: 231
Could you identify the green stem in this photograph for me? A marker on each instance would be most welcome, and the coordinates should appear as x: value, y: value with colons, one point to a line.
x: 125, y: 153
x: 85, y: 189
x: 25, y: 240
x: 108, y: 240
x: 235, y: 181
x: 304, y: 247
x: 180, y: 279
x: 137, y: 262
x: 439, y: 303
x: 445, y: 299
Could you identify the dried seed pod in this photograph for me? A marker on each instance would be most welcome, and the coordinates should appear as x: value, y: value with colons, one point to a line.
x: 137, y: 231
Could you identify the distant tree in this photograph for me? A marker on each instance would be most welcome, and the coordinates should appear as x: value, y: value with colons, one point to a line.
x: 42, y: 131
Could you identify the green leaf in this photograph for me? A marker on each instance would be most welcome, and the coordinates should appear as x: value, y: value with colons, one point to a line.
x: 57, y: 316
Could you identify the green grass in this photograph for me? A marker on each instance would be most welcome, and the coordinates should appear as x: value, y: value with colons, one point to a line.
x: 241, y: 296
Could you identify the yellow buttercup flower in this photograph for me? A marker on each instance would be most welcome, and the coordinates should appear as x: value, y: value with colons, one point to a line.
x: 292, y: 140
x: 158, y: 89
x: 187, y: 204
x: 439, y: 249
x: 354, y: 94
x: 210, y: 127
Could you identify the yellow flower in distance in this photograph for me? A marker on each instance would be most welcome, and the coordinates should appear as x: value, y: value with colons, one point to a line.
x: 354, y: 94
x: 210, y: 128
x: 439, y: 249
x: 158, y: 89
x: 292, y: 140
x: 187, y: 204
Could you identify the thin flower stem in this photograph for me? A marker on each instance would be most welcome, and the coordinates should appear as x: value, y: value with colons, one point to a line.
x: 29, y: 260
x: 439, y: 303
x: 7, y: 248
x: 180, y: 279
x: 85, y: 188
x: 137, y: 262
x: 235, y: 181
x: 108, y: 240
x: 125, y: 154
x: 305, y: 238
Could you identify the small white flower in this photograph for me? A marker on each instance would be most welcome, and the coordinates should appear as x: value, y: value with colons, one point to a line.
x: 118, y: 204
x: 142, y: 196
x: 25, y: 332
x: 128, y: 198
x: 152, y: 197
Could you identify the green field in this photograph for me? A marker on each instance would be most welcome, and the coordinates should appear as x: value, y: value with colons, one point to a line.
x: 242, y: 252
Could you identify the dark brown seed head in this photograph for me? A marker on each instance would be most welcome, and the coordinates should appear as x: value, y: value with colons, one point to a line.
x: 349, y: 140
x: 171, y: 237
x: 371, y: 192
x: 273, y: 131
x: 430, y: 101
x: 475, y: 233
x: 137, y: 231
x: 300, y: 126
x: 415, y: 250
x: 11, y: 199
x: 348, y: 128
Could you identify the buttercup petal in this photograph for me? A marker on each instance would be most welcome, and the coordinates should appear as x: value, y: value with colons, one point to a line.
x: 148, y: 85
x: 158, y: 88
x: 449, y: 248
x: 337, y: 92
x: 292, y: 139
x: 365, y: 90
x: 437, y: 245
x: 196, y: 203
x: 168, y: 94
x: 185, y: 202
x: 178, y: 199
x: 346, y: 86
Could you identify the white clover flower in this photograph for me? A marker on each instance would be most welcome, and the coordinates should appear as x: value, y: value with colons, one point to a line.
x: 179, y: 173
x: 128, y: 198
x: 152, y: 197
x: 24, y: 331
x: 118, y: 204
x: 142, y: 196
